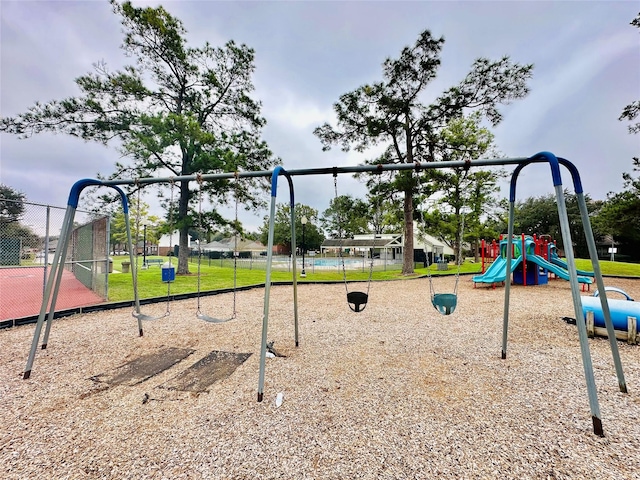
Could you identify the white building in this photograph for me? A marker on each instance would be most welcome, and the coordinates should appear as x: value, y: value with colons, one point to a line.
x: 390, y: 246
x: 167, y: 242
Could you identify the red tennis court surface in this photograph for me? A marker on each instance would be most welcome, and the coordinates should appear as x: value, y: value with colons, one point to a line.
x: 21, y: 292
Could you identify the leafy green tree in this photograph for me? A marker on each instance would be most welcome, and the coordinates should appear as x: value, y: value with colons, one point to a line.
x: 621, y: 211
x: 388, y: 216
x: 460, y: 198
x: 11, y: 213
x: 139, y: 216
x: 346, y: 216
x: 177, y: 110
x: 313, y: 236
x: 390, y: 113
x: 619, y: 215
x: 11, y: 205
x: 540, y: 216
x: 484, y: 206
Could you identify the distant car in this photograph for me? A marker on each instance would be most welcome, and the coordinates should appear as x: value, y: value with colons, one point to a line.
x: 121, y: 252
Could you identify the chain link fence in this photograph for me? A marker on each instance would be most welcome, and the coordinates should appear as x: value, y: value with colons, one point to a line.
x: 29, y: 235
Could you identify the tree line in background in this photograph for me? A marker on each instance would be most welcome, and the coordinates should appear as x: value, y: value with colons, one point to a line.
x: 617, y: 217
x: 181, y: 110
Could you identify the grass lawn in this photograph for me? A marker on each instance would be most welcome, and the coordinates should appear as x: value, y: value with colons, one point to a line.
x: 215, y: 277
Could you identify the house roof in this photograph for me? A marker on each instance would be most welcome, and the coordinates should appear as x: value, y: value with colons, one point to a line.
x: 431, y: 244
x: 216, y: 247
x: 359, y: 243
x: 420, y: 242
x: 242, y: 245
x: 254, y: 247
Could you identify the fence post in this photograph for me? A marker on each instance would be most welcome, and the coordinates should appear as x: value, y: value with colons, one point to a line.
x: 46, y: 250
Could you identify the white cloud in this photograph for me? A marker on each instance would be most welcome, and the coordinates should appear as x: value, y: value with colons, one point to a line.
x: 295, y: 111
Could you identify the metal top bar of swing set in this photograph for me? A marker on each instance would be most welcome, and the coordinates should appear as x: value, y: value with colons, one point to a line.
x: 376, y: 168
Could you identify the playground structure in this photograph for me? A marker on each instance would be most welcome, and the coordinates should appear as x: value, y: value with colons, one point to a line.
x: 53, y: 282
x: 533, y: 260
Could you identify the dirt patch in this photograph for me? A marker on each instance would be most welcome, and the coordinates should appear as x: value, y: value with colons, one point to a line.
x: 205, y: 372
x: 144, y: 367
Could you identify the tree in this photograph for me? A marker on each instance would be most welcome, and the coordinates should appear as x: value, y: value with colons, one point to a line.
x: 178, y: 110
x: 11, y: 213
x: 619, y: 215
x: 346, y: 216
x: 460, y: 198
x: 631, y: 111
x: 483, y: 207
x: 313, y: 237
x: 390, y: 113
x: 539, y: 215
x: 11, y: 205
x: 139, y: 216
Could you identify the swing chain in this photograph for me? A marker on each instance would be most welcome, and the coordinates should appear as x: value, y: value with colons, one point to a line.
x: 236, y: 175
x: 172, y: 181
x: 136, y: 313
x: 341, y: 242
x: 446, y: 303
x: 200, y: 229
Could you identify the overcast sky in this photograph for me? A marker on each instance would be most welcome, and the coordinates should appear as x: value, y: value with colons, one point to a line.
x: 586, y: 56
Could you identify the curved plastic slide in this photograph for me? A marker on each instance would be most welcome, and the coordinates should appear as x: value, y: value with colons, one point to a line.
x: 497, y: 272
x: 556, y: 261
x: 560, y: 272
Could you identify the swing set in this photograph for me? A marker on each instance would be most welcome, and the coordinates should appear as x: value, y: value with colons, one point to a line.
x: 357, y: 301
x: 445, y: 303
x: 199, y: 313
x: 168, y: 272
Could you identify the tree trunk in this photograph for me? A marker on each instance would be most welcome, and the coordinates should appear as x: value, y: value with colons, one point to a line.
x: 183, y: 211
x: 407, y: 252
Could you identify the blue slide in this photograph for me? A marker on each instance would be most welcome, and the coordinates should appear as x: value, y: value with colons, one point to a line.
x: 560, y: 272
x: 556, y: 261
x: 497, y: 272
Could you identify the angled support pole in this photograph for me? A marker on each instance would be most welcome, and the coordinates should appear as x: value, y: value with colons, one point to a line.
x: 554, y: 163
x: 267, y: 291
x: 595, y: 263
x: 52, y: 286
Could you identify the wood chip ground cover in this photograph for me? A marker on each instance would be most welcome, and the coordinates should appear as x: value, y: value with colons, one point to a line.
x: 397, y: 391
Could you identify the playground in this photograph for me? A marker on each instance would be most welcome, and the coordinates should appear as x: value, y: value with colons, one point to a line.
x: 395, y: 391
x: 532, y: 261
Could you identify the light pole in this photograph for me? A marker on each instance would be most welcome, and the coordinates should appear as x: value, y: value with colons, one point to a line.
x: 303, y: 220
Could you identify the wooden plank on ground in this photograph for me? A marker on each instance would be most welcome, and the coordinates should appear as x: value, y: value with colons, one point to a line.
x: 602, y: 332
x: 632, y: 330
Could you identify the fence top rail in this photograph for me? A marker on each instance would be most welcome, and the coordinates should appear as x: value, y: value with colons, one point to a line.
x: 329, y: 170
x: 35, y: 204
